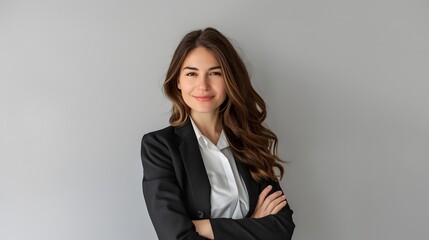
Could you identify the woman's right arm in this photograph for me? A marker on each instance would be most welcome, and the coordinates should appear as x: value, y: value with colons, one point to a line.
x: 164, y: 199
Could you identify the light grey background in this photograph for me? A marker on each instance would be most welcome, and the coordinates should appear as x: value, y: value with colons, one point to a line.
x: 346, y: 84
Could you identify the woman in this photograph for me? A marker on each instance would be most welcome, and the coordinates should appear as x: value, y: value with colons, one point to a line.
x: 210, y: 175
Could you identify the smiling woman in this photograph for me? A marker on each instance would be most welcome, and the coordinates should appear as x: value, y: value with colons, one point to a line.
x: 210, y: 175
x: 201, y: 83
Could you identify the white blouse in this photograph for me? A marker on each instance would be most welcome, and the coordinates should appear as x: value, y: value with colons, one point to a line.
x: 229, y: 197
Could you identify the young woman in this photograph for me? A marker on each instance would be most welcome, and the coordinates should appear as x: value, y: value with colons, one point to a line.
x: 211, y: 174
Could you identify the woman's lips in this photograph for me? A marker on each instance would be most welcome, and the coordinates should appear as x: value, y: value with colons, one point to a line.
x: 203, y: 98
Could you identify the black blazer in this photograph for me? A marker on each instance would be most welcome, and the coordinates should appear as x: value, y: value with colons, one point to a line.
x: 176, y: 189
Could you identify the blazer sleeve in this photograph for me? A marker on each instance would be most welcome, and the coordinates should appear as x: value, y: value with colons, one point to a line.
x: 277, y: 226
x: 164, y: 199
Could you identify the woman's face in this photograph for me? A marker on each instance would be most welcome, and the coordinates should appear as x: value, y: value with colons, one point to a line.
x: 202, y: 82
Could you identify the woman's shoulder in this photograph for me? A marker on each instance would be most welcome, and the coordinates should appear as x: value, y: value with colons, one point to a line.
x: 160, y: 133
x: 159, y: 140
x: 170, y: 131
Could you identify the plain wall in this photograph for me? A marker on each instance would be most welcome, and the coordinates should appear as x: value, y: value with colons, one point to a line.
x: 346, y: 84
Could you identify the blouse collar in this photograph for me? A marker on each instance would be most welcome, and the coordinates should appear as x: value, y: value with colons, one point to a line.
x: 205, y: 142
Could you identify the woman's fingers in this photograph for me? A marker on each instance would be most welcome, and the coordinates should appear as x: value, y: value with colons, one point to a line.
x: 263, y: 195
x: 272, y: 197
x: 277, y: 204
x: 260, y: 211
x: 269, y: 204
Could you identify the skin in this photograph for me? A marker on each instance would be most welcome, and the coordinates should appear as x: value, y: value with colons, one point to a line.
x: 201, y: 81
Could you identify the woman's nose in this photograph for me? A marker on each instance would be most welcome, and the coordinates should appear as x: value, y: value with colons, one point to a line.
x: 203, y: 83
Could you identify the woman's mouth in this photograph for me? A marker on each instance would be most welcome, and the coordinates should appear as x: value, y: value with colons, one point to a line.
x: 203, y: 98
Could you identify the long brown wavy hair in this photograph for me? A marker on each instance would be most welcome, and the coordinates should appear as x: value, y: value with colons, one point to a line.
x: 243, y: 111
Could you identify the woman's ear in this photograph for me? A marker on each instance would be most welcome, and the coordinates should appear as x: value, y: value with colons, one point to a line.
x: 178, y: 84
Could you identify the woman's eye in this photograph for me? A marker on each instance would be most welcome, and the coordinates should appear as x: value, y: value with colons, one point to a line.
x: 216, y: 74
x: 191, y: 74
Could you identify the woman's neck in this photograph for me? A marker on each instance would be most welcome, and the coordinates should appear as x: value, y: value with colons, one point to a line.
x: 209, y: 125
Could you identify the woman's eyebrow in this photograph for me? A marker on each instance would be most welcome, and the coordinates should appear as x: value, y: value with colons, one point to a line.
x: 215, y: 67
x: 191, y: 68
x: 196, y: 69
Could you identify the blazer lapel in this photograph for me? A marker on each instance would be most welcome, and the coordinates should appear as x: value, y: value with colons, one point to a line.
x: 252, y: 186
x: 195, y: 169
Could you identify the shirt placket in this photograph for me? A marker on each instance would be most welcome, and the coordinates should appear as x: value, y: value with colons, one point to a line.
x: 230, y: 179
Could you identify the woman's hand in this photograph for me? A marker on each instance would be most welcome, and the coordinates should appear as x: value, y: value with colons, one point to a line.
x: 269, y: 205
x: 204, y: 228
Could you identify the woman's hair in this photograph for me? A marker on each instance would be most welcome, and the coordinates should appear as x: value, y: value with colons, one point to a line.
x: 243, y: 111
